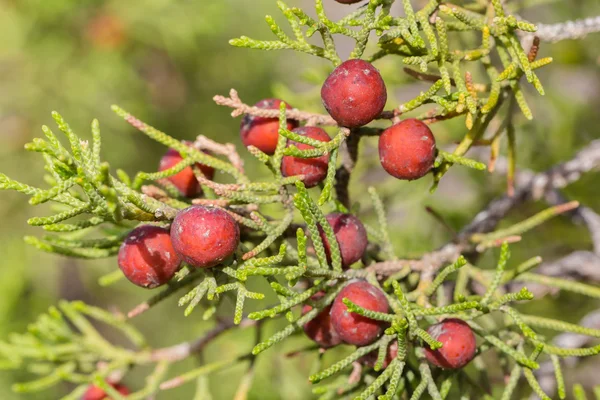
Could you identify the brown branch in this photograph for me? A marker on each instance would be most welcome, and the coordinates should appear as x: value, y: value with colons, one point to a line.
x: 166, y: 293
x: 241, y: 108
x: 181, y: 351
x: 349, y: 155
x: 581, y: 214
x: 529, y: 186
x: 580, y: 265
x: 430, y: 261
x: 532, y: 186
x: 425, y: 77
x: 434, y: 116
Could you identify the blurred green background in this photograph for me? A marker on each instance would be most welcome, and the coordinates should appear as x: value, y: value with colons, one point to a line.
x: 164, y: 60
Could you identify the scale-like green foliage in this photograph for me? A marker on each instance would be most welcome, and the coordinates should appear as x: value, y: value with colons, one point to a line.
x: 64, y: 346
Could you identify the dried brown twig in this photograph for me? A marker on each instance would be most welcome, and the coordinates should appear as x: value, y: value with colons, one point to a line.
x: 240, y: 108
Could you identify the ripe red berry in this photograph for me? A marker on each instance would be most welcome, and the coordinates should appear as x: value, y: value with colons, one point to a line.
x: 147, y: 257
x: 319, y: 329
x: 458, y: 344
x: 354, y: 94
x: 313, y: 169
x: 350, y: 234
x: 370, y: 359
x: 407, y: 149
x: 95, y: 393
x: 204, y: 236
x: 261, y: 132
x: 353, y: 328
x: 185, y: 181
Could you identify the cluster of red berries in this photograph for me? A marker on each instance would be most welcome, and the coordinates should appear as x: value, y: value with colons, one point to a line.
x: 204, y: 237
x: 335, y: 325
x: 201, y: 236
x: 354, y: 94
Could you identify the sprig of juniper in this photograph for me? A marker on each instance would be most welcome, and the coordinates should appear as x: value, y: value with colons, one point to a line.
x: 421, y: 39
x: 64, y: 346
x: 404, y: 325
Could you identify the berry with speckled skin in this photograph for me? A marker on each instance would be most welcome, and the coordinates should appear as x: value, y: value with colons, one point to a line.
x: 263, y: 133
x: 370, y: 359
x: 185, y: 181
x: 458, y: 341
x: 313, y: 169
x: 95, y: 393
x: 351, y: 236
x: 353, y: 328
x: 147, y: 257
x: 204, y: 236
x: 407, y: 149
x: 319, y: 329
x: 354, y: 94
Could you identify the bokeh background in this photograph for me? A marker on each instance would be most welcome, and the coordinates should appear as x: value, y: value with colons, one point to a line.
x: 164, y: 60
